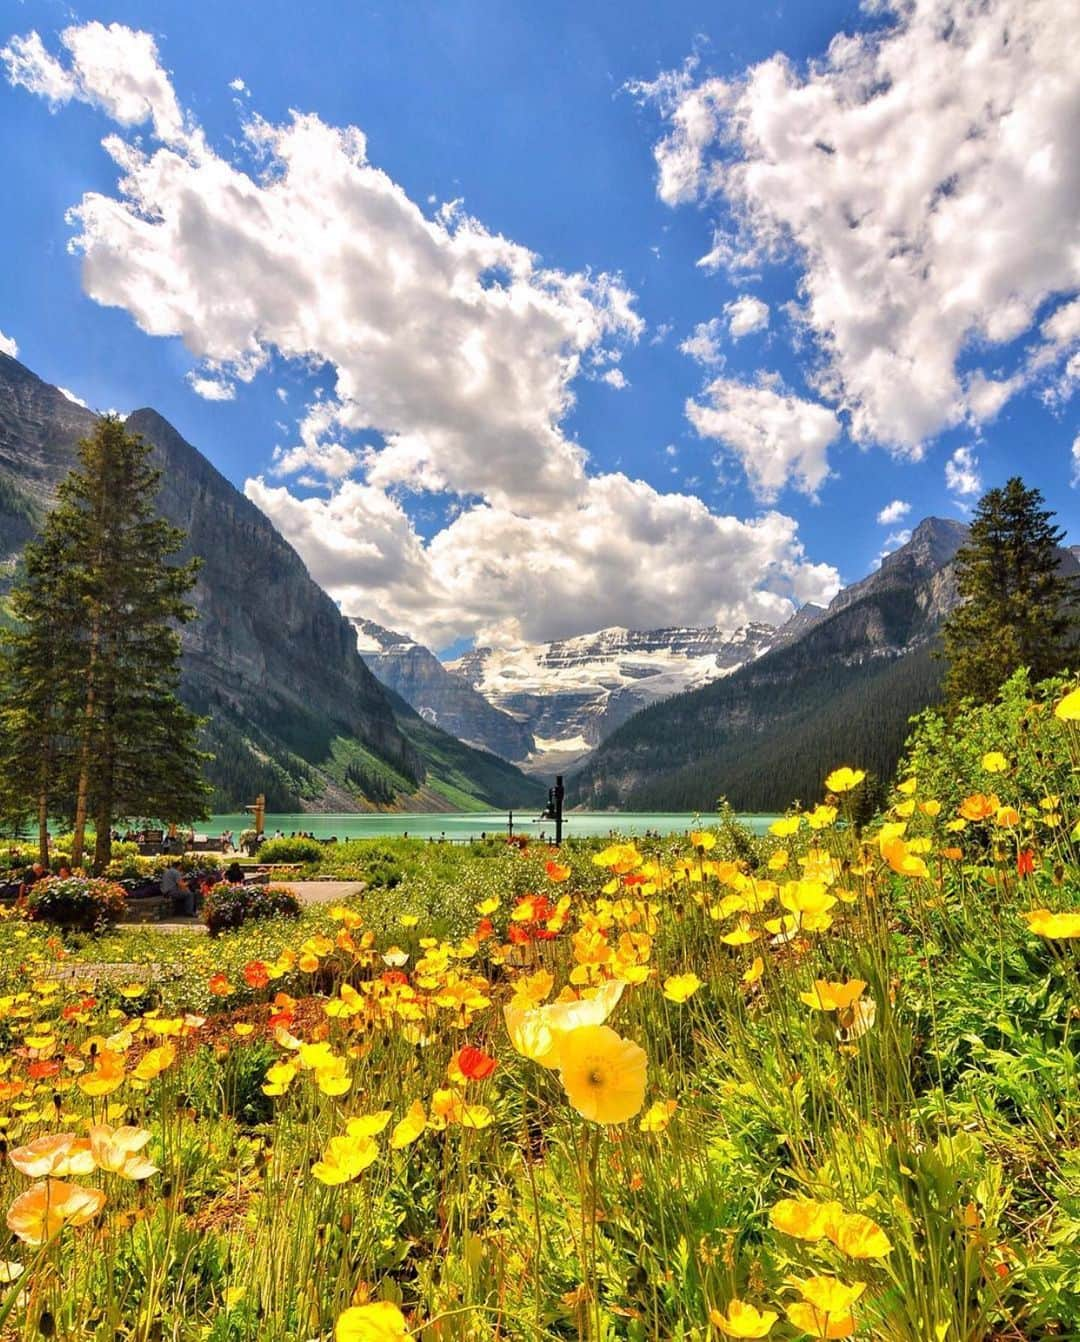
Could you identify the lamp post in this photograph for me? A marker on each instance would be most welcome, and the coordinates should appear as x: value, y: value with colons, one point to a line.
x: 554, y: 808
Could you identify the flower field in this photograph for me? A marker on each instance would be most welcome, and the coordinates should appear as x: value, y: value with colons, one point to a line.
x: 820, y: 1084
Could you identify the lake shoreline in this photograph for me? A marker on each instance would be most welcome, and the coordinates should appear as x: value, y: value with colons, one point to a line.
x: 473, y: 824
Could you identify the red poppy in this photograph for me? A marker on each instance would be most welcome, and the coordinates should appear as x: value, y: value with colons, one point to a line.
x: 475, y: 1063
x: 484, y: 928
x: 219, y: 985
x: 556, y: 871
x: 255, y: 974
x: 394, y: 976
x: 77, y: 1008
x: 518, y: 934
x: 42, y: 1067
x: 1025, y: 862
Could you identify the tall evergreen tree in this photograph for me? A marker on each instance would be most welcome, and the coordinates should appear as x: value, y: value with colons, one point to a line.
x: 37, y: 689
x: 127, y: 745
x: 1016, y: 608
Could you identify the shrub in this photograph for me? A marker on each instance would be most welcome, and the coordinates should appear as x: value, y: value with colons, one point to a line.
x: 230, y: 906
x: 946, y: 754
x: 77, y: 901
x: 130, y: 868
x: 291, y: 850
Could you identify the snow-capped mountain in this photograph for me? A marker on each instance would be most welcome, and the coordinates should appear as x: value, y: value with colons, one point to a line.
x: 545, y: 706
x: 561, y: 698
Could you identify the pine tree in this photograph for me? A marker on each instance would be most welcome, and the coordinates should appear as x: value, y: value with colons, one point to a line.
x: 37, y: 688
x: 1016, y: 608
x: 126, y: 744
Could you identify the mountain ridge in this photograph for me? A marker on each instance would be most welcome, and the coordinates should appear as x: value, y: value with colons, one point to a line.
x: 841, y: 691
x: 295, y: 713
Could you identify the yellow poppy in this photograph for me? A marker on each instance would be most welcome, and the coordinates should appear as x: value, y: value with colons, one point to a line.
x: 679, y: 987
x: 804, y: 1218
x: 154, y: 1062
x: 368, y: 1125
x: 743, y: 1320
x: 119, y: 1151
x: 344, y: 1159
x: 379, y: 1321
x: 46, y: 1208
x: 859, y: 1237
x: 410, y: 1127
x: 994, y: 762
x: 702, y: 838
x: 755, y: 971
x: 743, y: 935
x: 1068, y: 710
x: 279, y: 1077
x: 658, y: 1116
x: 828, y: 996
x: 824, y: 1327
x: 978, y: 806
x: 844, y: 779
x: 806, y: 897
x: 902, y: 861
x: 785, y: 826
x: 59, y: 1154
x: 830, y: 1295
x: 1056, y: 926
x: 603, y: 1074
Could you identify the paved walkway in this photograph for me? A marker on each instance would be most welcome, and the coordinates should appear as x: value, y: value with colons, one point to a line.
x: 308, y: 892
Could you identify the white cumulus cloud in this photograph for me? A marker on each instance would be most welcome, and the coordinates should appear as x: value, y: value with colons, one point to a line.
x: 454, y: 353
x: 962, y: 473
x: 893, y: 512
x: 746, y: 315
x: 503, y: 577
x: 780, y: 438
x: 111, y: 67
x: 924, y: 176
x: 211, y: 388
x: 76, y: 400
x: 704, y: 345
x: 8, y: 346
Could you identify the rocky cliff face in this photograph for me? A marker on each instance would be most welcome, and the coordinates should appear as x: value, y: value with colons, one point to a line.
x: 446, y: 700
x: 294, y: 710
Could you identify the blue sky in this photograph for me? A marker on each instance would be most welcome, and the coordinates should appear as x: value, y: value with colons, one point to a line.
x: 542, y: 411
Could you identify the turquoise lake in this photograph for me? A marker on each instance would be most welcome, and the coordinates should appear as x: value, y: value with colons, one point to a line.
x: 471, y: 824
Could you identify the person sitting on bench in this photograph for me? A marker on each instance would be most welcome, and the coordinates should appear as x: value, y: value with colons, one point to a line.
x: 176, y: 889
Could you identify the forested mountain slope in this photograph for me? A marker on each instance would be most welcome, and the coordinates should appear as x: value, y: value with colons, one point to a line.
x: 840, y: 692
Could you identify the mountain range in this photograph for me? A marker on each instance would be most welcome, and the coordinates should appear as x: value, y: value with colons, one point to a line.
x: 546, y: 706
x: 321, y: 712
x: 293, y: 710
x: 673, y: 719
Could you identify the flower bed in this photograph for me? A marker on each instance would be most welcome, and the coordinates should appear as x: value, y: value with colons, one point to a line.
x: 76, y: 901
x: 230, y: 906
